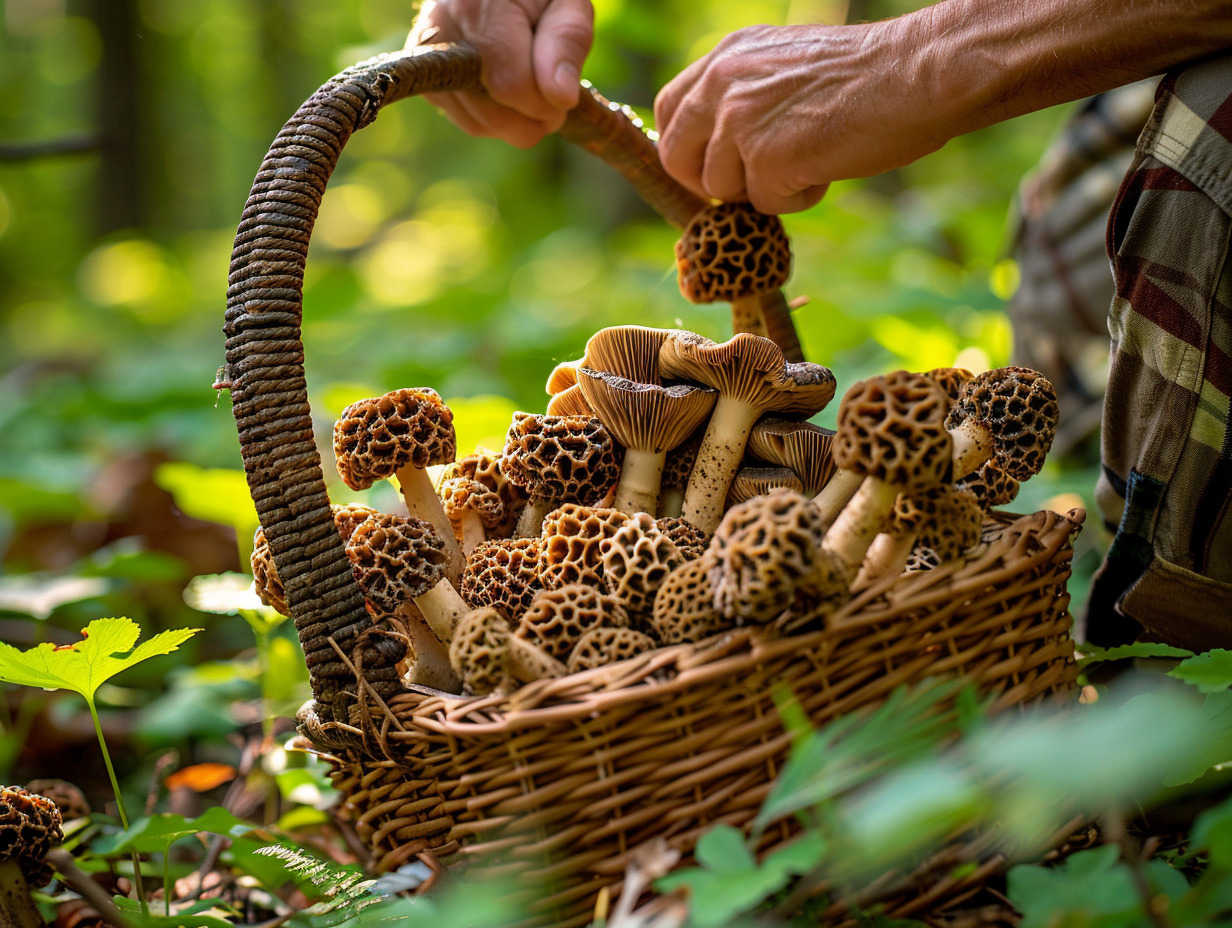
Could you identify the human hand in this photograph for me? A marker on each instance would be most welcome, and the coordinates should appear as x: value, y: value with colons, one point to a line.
x: 531, y: 54
x: 774, y: 114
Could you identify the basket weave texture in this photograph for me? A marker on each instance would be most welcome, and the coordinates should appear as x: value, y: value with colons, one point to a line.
x: 554, y: 785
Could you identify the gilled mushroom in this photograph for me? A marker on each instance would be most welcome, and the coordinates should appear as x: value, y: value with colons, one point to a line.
x: 758, y: 481
x: 473, y: 511
x: 602, y: 646
x: 396, y: 559
x: 802, y: 446
x: 558, y: 618
x: 636, y: 559
x: 649, y: 420
x: 569, y: 402
x: 503, y: 574
x: 891, y: 432
x: 570, y: 544
x: 767, y: 556
x: 29, y: 828
x: 484, y: 466
x: 752, y: 379
x: 684, y: 610
x: 562, y: 377
x: 400, y: 435
x: 557, y: 459
x: 730, y: 252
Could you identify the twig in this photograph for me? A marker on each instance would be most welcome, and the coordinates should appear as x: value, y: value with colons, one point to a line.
x: 85, y: 887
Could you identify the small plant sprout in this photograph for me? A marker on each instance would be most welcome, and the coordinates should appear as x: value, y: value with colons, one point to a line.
x: 107, y: 647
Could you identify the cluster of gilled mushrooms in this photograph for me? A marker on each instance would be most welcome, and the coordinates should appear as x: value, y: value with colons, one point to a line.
x: 673, y: 490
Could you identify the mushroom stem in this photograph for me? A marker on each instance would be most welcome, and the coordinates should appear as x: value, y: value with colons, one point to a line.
x: 836, y: 494
x: 422, y: 503
x: 442, y: 607
x: 718, y: 458
x: 530, y: 520
x: 527, y: 662
x: 430, y: 665
x: 887, y: 556
x: 671, y: 501
x: 855, y: 527
x: 640, y: 476
x: 746, y: 316
x: 472, y: 531
x: 973, y: 445
x: 17, y: 909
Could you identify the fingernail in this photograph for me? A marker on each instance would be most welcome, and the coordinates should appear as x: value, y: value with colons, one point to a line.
x: 567, y: 76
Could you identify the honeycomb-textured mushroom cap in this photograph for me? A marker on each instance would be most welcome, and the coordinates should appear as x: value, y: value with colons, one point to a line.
x: 684, y: 606
x: 956, y: 523
x: 29, y: 828
x: 348, y: 516
x: 67, y: 797
x: 729, y: 251
x: 950, y: 379
x: 504, y: 574
x: 758, y: 481
x: 484, y: 466
x: 690, y: 541
x: 892, y: 428
x: 462, y: 494
x: 602, y: 646
x: 765, y: 552
x: 374, y: 438
x: 560, y: 457
x: 570, y: 544
x: 991, y: 485
x: 636, y: 559
x: 479, y: 650
x: 801, y: 446
x: 265, y: 580
x: 557, y: 618
x: 395, y: 559
x: 1020, y: 406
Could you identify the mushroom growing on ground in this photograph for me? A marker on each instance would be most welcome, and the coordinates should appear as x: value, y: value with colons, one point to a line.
x: 891, y: 432
x: 649, y: 420
x: 557, y: 459
x: 396, y: 559
x: 400, y: 435
x: 752, y: 379
x: 29, y: 828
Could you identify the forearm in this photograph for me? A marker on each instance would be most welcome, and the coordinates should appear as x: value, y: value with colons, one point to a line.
x: 984, y: 61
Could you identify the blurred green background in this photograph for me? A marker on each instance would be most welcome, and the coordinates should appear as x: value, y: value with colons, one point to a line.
x: 129, y: 134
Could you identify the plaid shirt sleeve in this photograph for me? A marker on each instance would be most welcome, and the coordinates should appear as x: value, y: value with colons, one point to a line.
x: 1167, y: 435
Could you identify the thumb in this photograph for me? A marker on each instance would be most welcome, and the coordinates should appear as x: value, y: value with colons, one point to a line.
x: 562, y: 40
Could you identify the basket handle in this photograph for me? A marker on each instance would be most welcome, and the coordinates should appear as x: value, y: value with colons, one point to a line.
x: 264, y: 367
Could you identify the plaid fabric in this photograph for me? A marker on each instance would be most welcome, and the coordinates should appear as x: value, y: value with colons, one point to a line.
x: 1167, y: 435
x: 1059, y: 311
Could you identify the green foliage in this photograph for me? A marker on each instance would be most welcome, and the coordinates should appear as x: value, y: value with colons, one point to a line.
x: 1210, y: 672
x: 108, y: 646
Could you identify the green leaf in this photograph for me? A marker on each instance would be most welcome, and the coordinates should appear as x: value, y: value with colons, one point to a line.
x: 106, y: 649
x: 1091, y: 888
x: 154, y: 833
x: 195, y: 917
x: 1140, y: 649
x: 210, y: 494
x: 1210, y: 672
x: 1213, y: 831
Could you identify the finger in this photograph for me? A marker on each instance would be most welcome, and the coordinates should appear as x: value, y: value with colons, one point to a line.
x: 562, y: 40
x: 785, y: 199
x: 682, y: 145
x: 723, y: 170
x: 669, y: 97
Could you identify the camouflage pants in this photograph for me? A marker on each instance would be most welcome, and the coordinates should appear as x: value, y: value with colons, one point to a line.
x: 1166, y: 444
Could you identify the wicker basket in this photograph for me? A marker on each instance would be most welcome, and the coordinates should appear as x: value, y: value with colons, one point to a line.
x: 558, y: 783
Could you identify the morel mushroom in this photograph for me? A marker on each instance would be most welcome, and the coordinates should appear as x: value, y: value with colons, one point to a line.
x: 555, y: 459
x: 473, y: 510
x: 504, y: 574
x: 891, y: 431
x: 400, y: 435
x: 1019, y: 406
x: 484, y: 466
x: 943, y: 518
x: 689, y: 540
x: 602, y: 646
x: 649, y: 420
x: 396, y: 559
x: 636, y: 559
x: 752, y: 379
x: 479, y: 651
x: 558, y: 618
x: 991, y: 485
x: 684, y: 609
x: 29, y: 828
x: 570, y: 544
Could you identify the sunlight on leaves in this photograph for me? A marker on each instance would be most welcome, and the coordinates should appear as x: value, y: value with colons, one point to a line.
x: 106, y: 649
